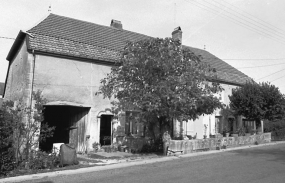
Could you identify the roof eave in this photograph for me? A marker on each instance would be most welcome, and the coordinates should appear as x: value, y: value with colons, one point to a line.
x: 16, y: 45
x: 98, y: 60
x: 218, y: 80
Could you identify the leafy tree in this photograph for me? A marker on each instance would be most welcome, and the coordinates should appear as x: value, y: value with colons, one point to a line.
x: 29, y: 127
x: 6, y: 139
x: 162, y: 80
x: 257, y: 102
x: 21, y: 128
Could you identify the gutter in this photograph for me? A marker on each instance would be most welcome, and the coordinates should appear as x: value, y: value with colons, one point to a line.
x: 33, y: 76
x: 16, y: 45
x: 57, y: 55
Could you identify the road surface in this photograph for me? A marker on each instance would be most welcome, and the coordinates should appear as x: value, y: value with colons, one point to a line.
x: 264, y: 164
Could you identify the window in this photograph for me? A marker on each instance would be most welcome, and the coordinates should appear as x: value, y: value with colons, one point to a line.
x: 188, y: 126
x: 218, y: 124
x: 248, y: 124
x: 134, y: 124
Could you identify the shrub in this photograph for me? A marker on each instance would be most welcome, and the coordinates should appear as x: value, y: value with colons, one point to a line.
x: 20, y: 133
x: 277, y: 128
x: 43, y: 160
x: 241, y: 131
x: 6, y: 140
x: 152, y: 146
x: 96, y: 146
x: 7, y: 161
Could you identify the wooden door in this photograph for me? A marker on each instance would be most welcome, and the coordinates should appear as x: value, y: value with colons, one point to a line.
x: 77, y: 133
x: 81, y: 129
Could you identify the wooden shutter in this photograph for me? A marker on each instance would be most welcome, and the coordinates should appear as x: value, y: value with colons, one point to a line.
x: 122, y: 127
x: 127, y: 124
x: 132, y: 122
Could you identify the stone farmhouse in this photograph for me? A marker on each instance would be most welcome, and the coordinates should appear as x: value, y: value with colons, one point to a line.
x: 66, y: 58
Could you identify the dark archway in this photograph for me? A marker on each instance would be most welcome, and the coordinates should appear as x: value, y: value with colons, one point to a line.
x: 106, y: 129
x: 70, y: 126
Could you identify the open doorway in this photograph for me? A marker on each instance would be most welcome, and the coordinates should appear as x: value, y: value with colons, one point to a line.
x: 70, y: 124
x: 231, y: 125
x: 106, y: 129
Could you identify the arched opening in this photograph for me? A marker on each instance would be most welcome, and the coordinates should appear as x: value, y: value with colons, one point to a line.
x: 70, y: 124
x: 105, y: 127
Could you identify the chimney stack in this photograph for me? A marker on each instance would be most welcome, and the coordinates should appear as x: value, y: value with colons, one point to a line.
x: 116, y: 24
x: 177, y: 34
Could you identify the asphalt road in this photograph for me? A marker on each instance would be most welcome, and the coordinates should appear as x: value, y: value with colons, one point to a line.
x: 264, y: 164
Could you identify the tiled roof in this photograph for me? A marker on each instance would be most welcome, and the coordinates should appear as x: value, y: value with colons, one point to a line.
x: 71, y: 37
x: 68, y: 47
x: 225, y: 71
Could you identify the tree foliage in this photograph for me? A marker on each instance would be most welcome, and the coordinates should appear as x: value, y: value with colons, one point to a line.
x: 276, y: 128
x: 21, y: 129
x: 255, y: 101
x: 159, y: 78
x: 6, y: 139
x: 28, y: 127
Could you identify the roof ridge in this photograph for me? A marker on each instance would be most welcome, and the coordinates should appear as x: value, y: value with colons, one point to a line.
x: 51, y: 17
x: 100, y: 25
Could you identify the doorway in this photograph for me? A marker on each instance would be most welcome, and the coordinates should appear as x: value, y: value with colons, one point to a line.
x: 70, y: 124
x: 106, y: 129
x: 231, y: 122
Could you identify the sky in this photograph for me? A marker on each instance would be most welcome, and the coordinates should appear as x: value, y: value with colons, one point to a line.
x: 247, y: 34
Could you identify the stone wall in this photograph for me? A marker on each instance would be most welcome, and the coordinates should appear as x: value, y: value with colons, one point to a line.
x: 190, y: 146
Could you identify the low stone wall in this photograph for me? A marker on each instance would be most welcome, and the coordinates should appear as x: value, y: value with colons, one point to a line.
x: 135, y: 144
x: 189, y: 146
x: 277, y: 138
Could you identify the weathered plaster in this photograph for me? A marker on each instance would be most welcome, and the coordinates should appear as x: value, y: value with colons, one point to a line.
x: 206, y: 121
x: 18, y: 86
x: 73, y: 81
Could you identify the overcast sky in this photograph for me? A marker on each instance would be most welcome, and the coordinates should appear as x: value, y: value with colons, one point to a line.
x: 247, y: 34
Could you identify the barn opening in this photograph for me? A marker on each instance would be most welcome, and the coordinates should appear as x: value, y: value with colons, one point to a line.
x: 70, y: 124
x: 106, y: 129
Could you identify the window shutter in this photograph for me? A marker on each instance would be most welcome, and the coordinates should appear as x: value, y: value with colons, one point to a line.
x: 127, y: 124
x: 141, y: 129
x: 133, y: 119
x: 121, y: 128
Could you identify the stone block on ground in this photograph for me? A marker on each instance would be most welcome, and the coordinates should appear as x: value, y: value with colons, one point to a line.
x: 67, y: 155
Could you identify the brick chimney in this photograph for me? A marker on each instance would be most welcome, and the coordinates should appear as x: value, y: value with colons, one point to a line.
x: 116, y: 24
x: 177, y: 34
